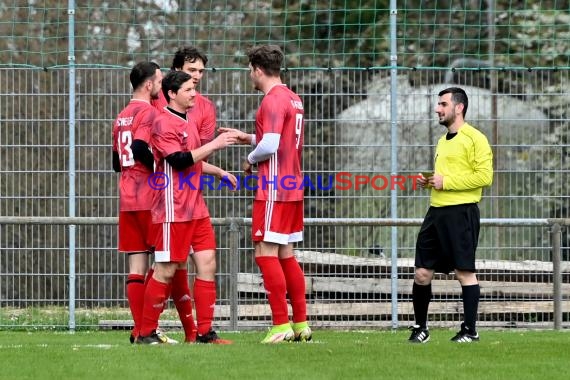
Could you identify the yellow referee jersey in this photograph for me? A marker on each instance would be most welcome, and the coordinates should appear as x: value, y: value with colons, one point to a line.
x: 466, y: 163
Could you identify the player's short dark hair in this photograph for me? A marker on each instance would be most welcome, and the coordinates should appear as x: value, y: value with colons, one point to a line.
x: 187, y: 54
x: 141, y: 72
x: 458, y: 95
x: 173, y: 81
x: 268, y: 58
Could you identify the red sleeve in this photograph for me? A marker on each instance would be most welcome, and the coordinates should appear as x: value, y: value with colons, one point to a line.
x: 272, y: 114
x: 144, y: 125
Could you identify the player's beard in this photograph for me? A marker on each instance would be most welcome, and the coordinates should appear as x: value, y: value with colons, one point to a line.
x: 447, y: 121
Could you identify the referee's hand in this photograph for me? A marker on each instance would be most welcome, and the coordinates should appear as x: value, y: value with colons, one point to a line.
x: 436, y: 181
x: 422, y: 181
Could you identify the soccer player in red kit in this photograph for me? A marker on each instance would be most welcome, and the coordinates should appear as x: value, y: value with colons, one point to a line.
x: 277, y: 220
x: 133, y: 159
x: 178, y: 207
x: 203, y: 113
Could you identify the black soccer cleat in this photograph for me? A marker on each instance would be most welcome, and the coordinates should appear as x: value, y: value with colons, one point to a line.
x: 152, y: 339
x: 212, y: 338
x: 419, y: 334
x: 465, y: 336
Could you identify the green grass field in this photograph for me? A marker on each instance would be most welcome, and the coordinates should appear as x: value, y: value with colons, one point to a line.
x: 512, y: 354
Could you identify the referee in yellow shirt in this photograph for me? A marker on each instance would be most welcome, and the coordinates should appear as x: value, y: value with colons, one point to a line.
x: 448, y: 236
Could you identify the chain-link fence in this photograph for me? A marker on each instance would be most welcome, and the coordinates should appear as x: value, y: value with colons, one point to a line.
x: 368, y: 72
x: 347, y: 157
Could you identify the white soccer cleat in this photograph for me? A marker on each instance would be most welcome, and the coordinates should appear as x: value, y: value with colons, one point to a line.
x: 165, y: 338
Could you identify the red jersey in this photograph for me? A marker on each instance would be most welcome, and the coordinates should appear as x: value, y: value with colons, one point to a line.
x: 180, y: 199
x: 132, y: 123
x: 281, y: 111
x: 203, y: 113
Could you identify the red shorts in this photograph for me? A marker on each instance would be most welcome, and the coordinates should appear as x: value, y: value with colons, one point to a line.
x: 277, y: 222
x: 134, y: 231
x: 203, y: 237
x: 173, y: 241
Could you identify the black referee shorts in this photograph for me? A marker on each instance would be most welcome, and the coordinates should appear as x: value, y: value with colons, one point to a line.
x: 448, y: 238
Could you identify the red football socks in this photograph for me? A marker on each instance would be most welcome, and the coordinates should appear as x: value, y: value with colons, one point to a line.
x: 295, y: 288
x: 135, y: 294
x: 275, y: 287
x: 205, y: 301
x: 155, y: 296
x: 183, y: 302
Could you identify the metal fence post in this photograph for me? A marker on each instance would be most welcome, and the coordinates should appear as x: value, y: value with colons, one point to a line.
x: 71, y: 169
x: 234, y: 230
x: 556, y: 276
x: 394, y: 156
x: 72, y: 278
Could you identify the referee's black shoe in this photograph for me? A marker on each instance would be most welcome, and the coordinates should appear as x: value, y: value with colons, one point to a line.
x: 419, y: 334
x: 465, y: 336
